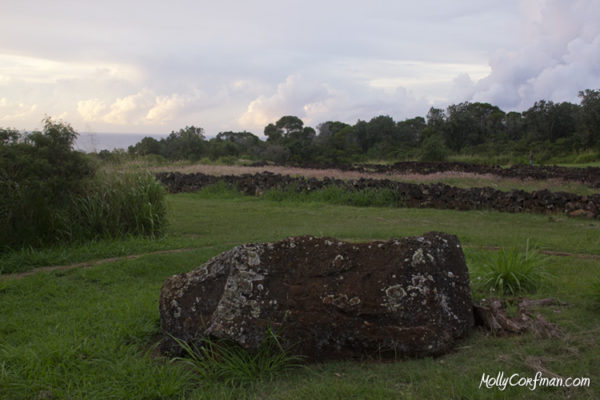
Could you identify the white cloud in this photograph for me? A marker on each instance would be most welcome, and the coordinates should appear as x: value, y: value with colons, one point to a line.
x: 11, y: 112
x: 228, y: 65
x: 39, y: 70
x: 559, y: 56
x: 418, y: 74
x: 142, y: 108
x: 166, y: 109
x: 295, y: 96
x: 92, y: 109
x: 315, y: 102
x: 130, y: 110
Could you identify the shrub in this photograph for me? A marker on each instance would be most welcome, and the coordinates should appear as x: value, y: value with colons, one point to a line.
x: 40, y: 174
x: 434, y: 149
x: 50, y: 193
x: 511, y: 272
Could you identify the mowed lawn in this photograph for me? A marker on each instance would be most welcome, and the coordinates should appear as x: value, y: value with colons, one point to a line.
x: 90, y: 332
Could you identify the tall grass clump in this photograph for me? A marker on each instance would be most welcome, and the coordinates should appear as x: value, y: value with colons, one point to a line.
x: 224, y: 362
x: 511, y: 272
x: 118, y: 205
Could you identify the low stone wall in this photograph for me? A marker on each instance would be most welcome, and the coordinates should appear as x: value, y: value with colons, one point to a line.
x: 435, y: 195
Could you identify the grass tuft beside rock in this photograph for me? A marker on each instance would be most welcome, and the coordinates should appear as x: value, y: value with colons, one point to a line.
x: 220, y: 361
x: 511, y: 272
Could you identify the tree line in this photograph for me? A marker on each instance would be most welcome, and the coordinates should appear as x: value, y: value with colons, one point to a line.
x: 471, y: 128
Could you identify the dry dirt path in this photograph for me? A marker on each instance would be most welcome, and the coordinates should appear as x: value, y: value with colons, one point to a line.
x: 94, y: 263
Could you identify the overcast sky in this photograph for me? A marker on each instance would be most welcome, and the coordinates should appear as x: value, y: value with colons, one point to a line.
x: 157, y: 66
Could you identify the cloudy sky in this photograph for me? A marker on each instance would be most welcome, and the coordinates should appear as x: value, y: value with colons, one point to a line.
x: 157, y: 66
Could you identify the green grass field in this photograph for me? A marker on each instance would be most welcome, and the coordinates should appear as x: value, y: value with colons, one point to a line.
x: 90, y: 332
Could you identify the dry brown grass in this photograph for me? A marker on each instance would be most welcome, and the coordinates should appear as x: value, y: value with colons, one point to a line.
x: 454, y: 178
x: 313, y: 173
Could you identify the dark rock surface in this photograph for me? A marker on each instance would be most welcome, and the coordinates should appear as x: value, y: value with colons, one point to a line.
x: 436, y: 195
x: 329, y: 299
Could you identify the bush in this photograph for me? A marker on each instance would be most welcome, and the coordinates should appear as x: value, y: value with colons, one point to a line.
x: 511, y: 272
x: 49, y: 193
x: 434, y: 149
x: 40, y: 174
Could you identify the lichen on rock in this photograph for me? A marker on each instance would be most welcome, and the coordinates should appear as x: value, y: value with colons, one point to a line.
x: 329, y: 299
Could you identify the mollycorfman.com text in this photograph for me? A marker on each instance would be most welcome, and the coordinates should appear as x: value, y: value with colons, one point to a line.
x: 501, y: 381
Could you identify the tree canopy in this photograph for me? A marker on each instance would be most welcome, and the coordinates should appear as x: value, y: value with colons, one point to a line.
x: 468, y: 127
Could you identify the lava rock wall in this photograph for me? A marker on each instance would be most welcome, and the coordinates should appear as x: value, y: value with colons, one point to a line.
x: 436, y: 195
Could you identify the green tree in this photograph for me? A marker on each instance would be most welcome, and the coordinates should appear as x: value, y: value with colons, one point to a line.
x: 289, y: 131
x: 9, y: 136
x: 381, y: 131
x: 471, y: 124
x: 409, y: 131
x: 188, y: 143
x: 514, y: 125
x: 550, y: 121
x: 327, y: 130
x: 285, y: 127
x: 147, y: 145
x: 434, y: 149
x: 590, y: 117
x: 338, y: 143
x: 40, y: 174
x: 436, y: 119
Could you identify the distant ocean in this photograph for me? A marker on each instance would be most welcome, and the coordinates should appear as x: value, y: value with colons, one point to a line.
x: 94, y: 142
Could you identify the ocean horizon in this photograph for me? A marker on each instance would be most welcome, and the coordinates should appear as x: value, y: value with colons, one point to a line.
x: 95, y: 142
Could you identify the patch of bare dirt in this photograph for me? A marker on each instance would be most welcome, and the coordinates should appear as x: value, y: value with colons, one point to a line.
x: 93, y: 263
x: 495, y: 315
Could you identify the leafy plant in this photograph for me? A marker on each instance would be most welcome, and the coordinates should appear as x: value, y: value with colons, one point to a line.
x: 510, y: 272
x: 229, y: 363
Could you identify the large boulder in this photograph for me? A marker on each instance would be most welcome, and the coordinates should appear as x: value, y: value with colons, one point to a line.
x: 329, y: 299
